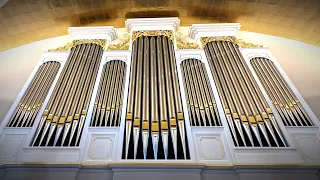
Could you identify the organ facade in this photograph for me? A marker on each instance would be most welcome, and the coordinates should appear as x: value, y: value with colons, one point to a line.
x: 152, y: 98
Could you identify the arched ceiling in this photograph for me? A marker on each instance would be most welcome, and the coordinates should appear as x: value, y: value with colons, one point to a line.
x: 24, y: 21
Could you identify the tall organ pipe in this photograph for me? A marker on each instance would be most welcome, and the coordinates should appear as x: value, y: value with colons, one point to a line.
x: 250, y: 119
x: 62, y: 121
x: 116, y: 68
x: 33, y: 99
x: 195, y: 76
x: 154, y: 111
x: 291, y: 111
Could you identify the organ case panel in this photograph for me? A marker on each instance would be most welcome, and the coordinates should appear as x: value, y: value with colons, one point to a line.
x: 250, y: 119
x: 155, y: 126
x: 286, y: 103
x: 108, y: 103
x: 202, y: 108
x: 63, y: 119
x: 33, y: 99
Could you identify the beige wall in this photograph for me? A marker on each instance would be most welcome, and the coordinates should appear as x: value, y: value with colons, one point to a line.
x: 300, y: 61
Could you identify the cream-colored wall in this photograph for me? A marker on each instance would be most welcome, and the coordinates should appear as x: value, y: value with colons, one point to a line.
x: 299, y: 60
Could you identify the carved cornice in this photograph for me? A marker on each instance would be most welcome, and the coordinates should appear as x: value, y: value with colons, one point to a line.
x: 239, y: 42
x: 121, y: 46
x: 68, y: 46
x: 185, y: 45
x: 167, y: 33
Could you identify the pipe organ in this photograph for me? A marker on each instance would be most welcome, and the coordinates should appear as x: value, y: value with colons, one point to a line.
x: 157, y: 93
x: 108, y: 103
x: 154, y: 111
x: 62, y: 122
x: 201, y: 104
x: 33, y: 99
x: 291, y: 111
x: 250, y: 119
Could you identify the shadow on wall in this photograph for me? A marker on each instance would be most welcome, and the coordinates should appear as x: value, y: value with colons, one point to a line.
x: 313, y: 101
x: 5, y: 105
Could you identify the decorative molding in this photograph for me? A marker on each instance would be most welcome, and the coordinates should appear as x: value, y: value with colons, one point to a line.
x: 220, y: 145
x: 137, y: 34
x: 239, y: 42
x: 139, y: 24
x: 74, y: 43
x: 185, y: 45
x: 91, y: 155
x: 197, y: 31
x: 121, y: 46
x: 95, y: 32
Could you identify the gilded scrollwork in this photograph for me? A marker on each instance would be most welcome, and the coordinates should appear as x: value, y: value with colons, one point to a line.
x: 68, y: 46
x: 239, y: 42
x: 183, y: 44
x: 121, y: 46
x: 167, y: 33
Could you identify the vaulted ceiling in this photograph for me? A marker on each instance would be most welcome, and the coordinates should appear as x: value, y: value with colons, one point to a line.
x: 24, y: 21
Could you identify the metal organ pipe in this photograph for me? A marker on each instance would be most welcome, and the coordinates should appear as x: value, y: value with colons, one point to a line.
x: 63, y: 119
x: 195, y: 77
x: 290, y: 110
x: 110, y: 114
x: 154, y: 111
x: 33, y: 99
x: 250, y: 119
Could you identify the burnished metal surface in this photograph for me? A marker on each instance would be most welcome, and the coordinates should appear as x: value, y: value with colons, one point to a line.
x: 249, y: 117
x: 25, y: 21
x: 63, y: 119
x: 291, y: 111
x: 33, y: 99
x: 155, y: 123
x: 194, y: 75
x: 107, y: 108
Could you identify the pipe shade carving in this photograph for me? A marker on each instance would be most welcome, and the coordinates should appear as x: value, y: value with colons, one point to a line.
x: 108, y: 103
x: 33, y: 99
x: 63, y: 119
x: 250, y: 119
x: 155, y: 126
x: 201, y: 104
x: 289, y: 108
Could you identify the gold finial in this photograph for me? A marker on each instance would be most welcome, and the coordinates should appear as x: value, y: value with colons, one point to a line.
x: 121, y: 46
x: 185, y: 45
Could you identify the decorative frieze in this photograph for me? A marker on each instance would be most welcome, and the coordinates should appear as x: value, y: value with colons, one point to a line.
x: 124, y: 45
x: 167, y: 33
x: 68, y: 46
x: 239, y: 42
x: 181, y: 44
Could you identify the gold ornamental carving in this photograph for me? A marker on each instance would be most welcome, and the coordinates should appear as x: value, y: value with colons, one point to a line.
x: 239, y: 42
x: 121, y: 46
x: 68, y: 46
x: 167, y: 33
x: 183, y: 44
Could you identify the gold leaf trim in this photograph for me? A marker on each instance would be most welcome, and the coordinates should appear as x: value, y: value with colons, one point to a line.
x: 68, y: 46
x: 239, y: 42
x: 167, y: 33
x: 121, y: 46
x: 185, y: 45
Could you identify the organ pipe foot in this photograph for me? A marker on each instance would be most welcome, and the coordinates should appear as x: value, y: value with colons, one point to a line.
x: 155, y: 140
x: 247, y: 129
x: 128, y: 133
x: 107, y: 118
x: 233, y: 131
x: 79, y: 130
x: 269, y: 126
x: 165, y: 144
x: 256, y: 132
x: 43, y: 119
x: 238, y: 125
x: 45, y: 129
x: 182, y: 136
x: 264, y: 132
x: 65, y: 133
x: 145, y: 137
x: 136, y: 132
x: 174, y: 140
x: 59, y: 130
x: 52, y: 128
x: 273, y: 121
x: 73, y: 130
